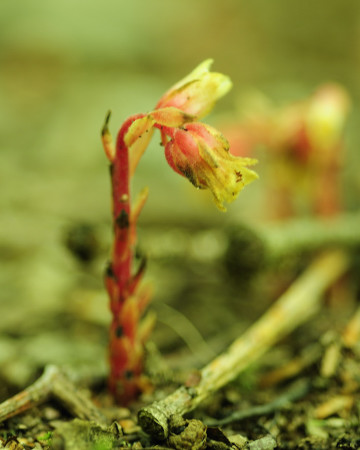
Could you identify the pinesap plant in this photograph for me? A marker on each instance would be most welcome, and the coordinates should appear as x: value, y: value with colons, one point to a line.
x: 194, y: 150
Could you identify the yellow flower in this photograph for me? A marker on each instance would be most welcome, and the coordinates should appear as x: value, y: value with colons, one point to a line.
x: 197, y: 93
x: 201, y: 153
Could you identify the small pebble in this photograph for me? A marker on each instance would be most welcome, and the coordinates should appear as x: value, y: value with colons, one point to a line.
x: 264, y: 443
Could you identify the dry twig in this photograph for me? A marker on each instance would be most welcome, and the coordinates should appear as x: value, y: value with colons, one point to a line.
x: 294, y: 307
x: 298, y: 389
x: 52, y: 383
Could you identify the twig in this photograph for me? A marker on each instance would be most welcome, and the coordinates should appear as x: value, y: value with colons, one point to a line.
x: 52, y: 383
x: 295, y: 392
x: 294, y: 307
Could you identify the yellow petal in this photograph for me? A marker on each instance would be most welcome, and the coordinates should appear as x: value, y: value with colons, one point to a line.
x: 228, y: 179
x: 137, y: 129
x: 197, y: 93
x: 200, y: 70
x: 137, y: 139
x: 171, y: 117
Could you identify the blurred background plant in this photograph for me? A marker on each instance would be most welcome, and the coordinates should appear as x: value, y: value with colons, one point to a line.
x: 301, y: 145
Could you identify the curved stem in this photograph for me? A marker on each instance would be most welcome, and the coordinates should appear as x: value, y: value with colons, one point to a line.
x: 123, y: 343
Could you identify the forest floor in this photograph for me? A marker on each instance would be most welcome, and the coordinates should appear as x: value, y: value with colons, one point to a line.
x: 302, y: 394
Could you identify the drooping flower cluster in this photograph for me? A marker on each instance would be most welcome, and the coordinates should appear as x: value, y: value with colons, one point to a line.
x: 193, y: 149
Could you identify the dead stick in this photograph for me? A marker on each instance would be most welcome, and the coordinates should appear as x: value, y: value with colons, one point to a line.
x: 297, y: 390
x: 294, y: 307
x: 52, y: 383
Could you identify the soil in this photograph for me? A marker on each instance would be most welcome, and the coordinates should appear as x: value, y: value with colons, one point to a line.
x: 303, y: 394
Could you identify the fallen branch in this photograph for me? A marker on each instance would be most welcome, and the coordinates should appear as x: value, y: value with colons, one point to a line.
x: 53, y: 383
x: 298, y: 389
x: 294, y: 307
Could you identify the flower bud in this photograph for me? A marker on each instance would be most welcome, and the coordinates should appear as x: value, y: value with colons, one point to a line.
x: 197, y: 93
x: 201, y: 154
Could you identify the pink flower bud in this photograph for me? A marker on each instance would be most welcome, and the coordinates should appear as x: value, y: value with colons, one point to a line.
x: 201, y: 154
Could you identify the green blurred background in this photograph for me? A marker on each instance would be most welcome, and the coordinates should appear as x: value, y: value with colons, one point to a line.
x: 64, y: 64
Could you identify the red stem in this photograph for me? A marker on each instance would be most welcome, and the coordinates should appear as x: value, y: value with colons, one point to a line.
x: 123, y: 369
